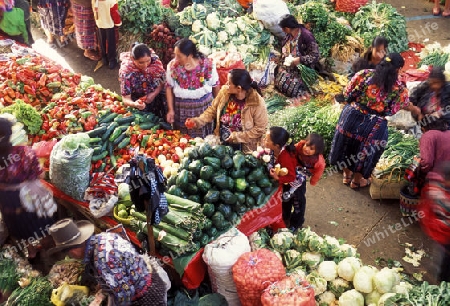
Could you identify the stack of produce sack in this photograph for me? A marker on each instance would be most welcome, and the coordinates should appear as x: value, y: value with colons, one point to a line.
x: 220, y: 256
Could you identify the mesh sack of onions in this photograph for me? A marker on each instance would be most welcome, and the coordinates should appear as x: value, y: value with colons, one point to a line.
x: 289, y: 291
x: 255, y: 271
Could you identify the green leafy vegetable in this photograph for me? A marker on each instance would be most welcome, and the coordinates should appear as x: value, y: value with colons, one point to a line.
x: 381, y: 19
x: 26, y: 114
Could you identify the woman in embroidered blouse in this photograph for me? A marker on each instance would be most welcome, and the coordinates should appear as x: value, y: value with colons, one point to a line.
x: 239, y: 111
x: 361, y: 133
x: 192, y: 83
x: 300, y: 44
x: 142, y: 77
x: 432, y: 97
x: 18, y: 164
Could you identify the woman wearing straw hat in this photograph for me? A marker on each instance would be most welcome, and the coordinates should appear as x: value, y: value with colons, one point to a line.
x: 127, y: 277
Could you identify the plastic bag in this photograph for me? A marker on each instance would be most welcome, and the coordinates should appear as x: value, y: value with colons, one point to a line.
x: 64, y: 292
x: 36, y: 198
x: 70, y: 162
x: 220, y: 256
x: 269, y: 12
x: 43, y: 149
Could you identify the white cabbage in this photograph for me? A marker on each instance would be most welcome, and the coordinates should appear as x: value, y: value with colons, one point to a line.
x: 351, y: 298
x: 363, y: 279
x: 347, y: 267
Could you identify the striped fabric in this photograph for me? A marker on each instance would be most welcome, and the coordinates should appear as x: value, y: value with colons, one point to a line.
x: 85, y: 28
x: 189, y: 108
x: 53, y: 15
x: 357, y: 141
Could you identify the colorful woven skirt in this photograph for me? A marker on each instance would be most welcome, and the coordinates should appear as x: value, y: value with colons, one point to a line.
x: 53, y: 15
x: 189, y: 108
x: 359, y: 141
x: 85, y: 27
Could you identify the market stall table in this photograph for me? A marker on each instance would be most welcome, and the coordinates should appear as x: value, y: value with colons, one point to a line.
x: 191, y: 267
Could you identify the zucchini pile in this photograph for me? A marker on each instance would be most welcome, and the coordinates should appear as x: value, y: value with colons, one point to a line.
x: 176, y: 231
x: 114, y: 132
x: 225, y: 182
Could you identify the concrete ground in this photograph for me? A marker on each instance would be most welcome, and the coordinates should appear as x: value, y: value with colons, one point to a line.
x: 376, y: 228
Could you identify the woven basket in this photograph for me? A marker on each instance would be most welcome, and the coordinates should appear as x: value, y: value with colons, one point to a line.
x: 387, y: 187
x: 408, y: 203
x: 349, y: 6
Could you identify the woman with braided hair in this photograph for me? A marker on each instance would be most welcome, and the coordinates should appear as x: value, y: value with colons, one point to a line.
x: 361, y: 133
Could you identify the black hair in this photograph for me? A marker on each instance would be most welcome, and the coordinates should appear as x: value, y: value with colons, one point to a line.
x: 437, y: 72
x: 187, y: 47
x: 279, y: 136
x: 376, y: 42
x: 317, y: 141
x: 241, y: 77
x: 289, y: 21
x: 431, y: 122
x: 139, y: 50
x: 386, y: 72
x: 5, y: 135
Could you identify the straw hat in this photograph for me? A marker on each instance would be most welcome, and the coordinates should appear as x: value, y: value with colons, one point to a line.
x: 67, y: 233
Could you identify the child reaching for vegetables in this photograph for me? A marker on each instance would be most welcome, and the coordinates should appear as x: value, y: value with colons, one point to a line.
x: 310, y: 164
x: 282, y: 156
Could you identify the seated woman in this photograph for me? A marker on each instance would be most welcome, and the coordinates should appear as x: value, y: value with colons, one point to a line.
x: 300, y: 45
x: 112, y: 264
x: 372, y: 57
x: 239, y: 112
x: 142, y: 78
x: 432, y: 97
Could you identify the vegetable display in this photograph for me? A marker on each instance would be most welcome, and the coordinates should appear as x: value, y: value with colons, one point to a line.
x: 336, y: 273
x: 381, y: 19
x: 398, y: 154
x: 178, y: 229
x: 227, y: 29
x: 324, y: 25
x: 301, y: 121
x: 162, y: 40
x: 37, y: 293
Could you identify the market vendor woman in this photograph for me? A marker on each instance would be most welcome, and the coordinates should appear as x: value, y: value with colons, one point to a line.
x: 112, y: 262
x: 142, y: 77
x: 432, y: 97
x: 239, y: 111
x: 299, y: 47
